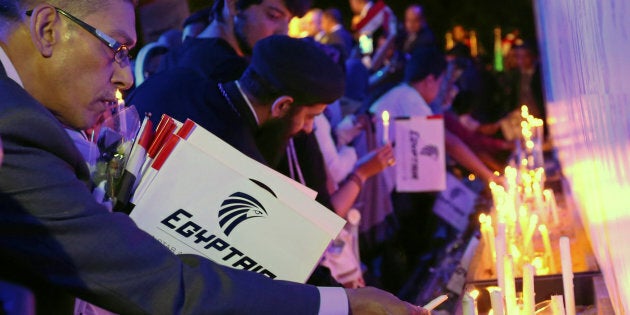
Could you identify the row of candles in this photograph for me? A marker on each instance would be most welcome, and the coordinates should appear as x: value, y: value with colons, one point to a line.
x: 521, y: 208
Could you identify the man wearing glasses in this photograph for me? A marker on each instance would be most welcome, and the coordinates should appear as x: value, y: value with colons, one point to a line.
x: 62, y: 62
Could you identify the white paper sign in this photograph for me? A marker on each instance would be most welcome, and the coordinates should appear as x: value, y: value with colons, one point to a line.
x: 420, y: 156
x: 288, y: 190
x: 198, y: 205
x: 456, y: 203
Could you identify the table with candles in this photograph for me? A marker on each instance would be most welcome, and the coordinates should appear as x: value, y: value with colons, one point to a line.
x: 533, y: 255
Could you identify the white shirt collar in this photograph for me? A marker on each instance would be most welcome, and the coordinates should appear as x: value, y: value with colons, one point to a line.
x: 248, y: 102
x: 9, y: 68
x: 335, y: 28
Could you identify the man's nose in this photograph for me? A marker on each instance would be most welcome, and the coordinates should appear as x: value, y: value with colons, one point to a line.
x: 123, y: 76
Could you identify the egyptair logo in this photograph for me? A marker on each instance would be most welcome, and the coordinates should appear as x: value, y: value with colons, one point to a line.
x: 237, y: 208
x: 430, y: 151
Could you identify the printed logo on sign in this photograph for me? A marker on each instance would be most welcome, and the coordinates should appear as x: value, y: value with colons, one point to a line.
x: 237, y: 208
x: 430, y: 151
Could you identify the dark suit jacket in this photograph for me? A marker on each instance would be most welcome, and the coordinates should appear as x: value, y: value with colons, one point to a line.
x: 54, y: 235
x: 213, y: 58
x: 184, y: 93
x: 340, y: 38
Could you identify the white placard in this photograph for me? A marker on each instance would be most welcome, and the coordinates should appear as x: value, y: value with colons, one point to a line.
x: 456, y: 203
x: 420, y: 156
x: 196, y: 204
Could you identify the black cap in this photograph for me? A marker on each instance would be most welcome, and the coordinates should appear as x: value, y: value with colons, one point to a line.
x: 299, y: 69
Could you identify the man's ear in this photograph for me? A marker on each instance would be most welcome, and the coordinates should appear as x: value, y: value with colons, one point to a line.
x: 43, y: 31
x: 281, y: 106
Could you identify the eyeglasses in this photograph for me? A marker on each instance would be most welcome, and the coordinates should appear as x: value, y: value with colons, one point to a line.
x: 121, y: 51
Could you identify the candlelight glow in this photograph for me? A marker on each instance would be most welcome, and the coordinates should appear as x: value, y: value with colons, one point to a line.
x: 385, y: 117
x: 118, y: 95
x: 474, y: 294
x: 524, y: 111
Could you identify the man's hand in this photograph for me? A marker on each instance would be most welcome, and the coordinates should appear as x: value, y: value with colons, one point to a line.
x: 372, y: 301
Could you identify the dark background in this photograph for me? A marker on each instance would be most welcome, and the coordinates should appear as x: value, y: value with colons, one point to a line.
x: 479, y: 15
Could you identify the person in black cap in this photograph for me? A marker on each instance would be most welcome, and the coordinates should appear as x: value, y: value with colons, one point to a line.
x: 287, y: 84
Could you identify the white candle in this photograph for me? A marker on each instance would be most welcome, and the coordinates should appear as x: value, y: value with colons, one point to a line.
x: 385, y: 117
x: 496, y: 300
x: 488, y: 240
x: 557, y: 306
x: 119, y: 108
x: 552, y: 207
x: 529, y: 235
x: 528, y: 289
x: 501, y: 249
x: 468, y: 305
x: 547, y: 243
x: 490, y: 231
x: 435, y: 302
x: 567, y: 275
x: 510, y: 289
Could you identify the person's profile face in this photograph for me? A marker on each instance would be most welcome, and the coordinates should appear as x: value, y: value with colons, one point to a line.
x: 356, y: 6
x: 87, y: 73
x: 270, y: 17
x: 413, y: 20
x: 301, y: 120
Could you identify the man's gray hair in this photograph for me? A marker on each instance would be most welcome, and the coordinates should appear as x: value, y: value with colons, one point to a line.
x: 11, y: 10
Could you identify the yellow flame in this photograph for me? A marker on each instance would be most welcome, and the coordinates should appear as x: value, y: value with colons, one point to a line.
x: 118, y: 95
x: 474, y: 294
x: 385, y: 117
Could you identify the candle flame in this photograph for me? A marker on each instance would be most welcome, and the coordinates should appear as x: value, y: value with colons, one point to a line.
x: 474, y: 294
x: 543, y: 229
x: 385, y: 117
x: 482, y: 218
x: 118, y: 95
x: 524, y: 111
x: 492, y: 289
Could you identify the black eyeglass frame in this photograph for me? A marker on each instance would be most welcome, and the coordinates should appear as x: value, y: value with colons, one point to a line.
x: 121, y: 51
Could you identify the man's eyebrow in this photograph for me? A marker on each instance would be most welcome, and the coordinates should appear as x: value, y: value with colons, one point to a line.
x: 126, y: 39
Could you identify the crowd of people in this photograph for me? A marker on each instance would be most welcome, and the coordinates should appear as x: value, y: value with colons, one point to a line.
x: 307, y: 107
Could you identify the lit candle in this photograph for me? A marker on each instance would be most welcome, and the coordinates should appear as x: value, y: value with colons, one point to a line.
x: 487, y: 236
x: 473, y: 44
x: 490, y: 231
x: 510, y: 287
x: 529, y: 234
x: 552, y: 207
x: 557, y: 306
x: 547, y: 243
x: 468, y: 305
x: 567, y: 275
x: 496, y: 300
x: 528, y: 289
x: 119, y: 108
x: 385, y: 117
x: 501, y: 249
